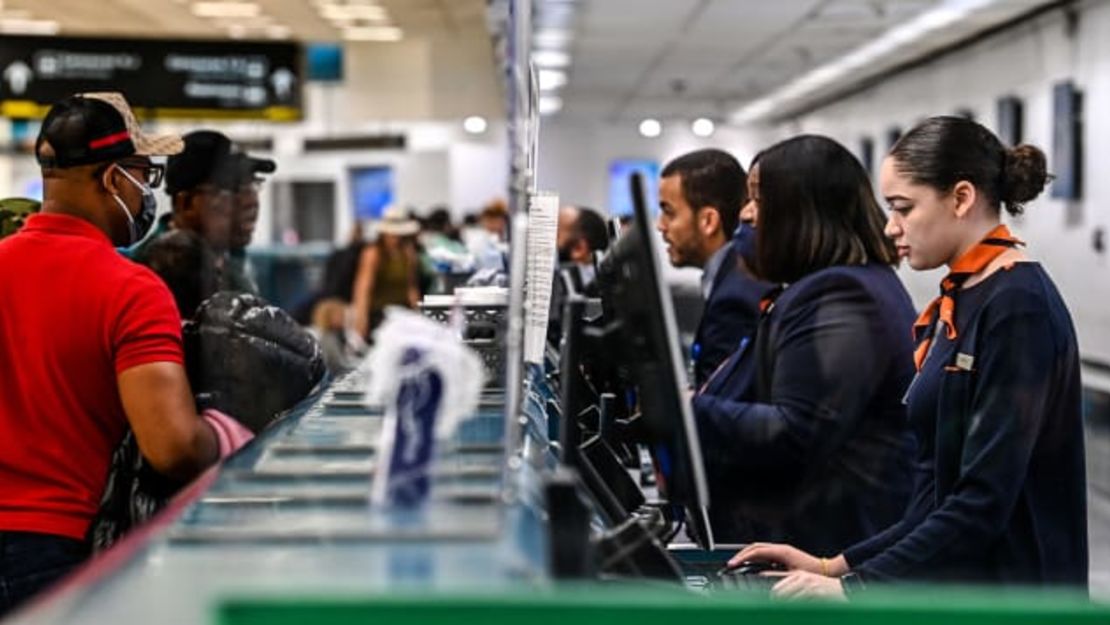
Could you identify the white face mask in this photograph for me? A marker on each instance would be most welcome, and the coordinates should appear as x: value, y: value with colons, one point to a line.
x: 138, y: 226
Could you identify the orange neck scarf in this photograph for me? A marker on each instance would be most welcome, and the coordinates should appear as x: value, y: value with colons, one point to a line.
x: 943, y: 308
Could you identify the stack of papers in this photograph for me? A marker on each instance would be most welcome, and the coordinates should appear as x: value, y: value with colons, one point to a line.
x: 541, y: 258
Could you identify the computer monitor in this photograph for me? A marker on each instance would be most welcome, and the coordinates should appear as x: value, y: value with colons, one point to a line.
x: 640, y: 311
x: 371, y: 191
x: 620, y: 204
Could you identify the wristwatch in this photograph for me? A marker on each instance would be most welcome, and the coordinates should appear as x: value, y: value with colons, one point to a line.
x: 852, y: 584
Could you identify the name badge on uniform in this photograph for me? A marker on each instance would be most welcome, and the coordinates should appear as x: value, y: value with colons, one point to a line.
x: 965, y: 362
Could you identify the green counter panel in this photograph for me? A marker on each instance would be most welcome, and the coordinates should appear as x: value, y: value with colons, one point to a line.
x: 666, y: 606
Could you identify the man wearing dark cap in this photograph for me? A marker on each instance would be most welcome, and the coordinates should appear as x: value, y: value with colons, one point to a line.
x: 244, y: 217
x: 201, y: 182
x: 90, y: 343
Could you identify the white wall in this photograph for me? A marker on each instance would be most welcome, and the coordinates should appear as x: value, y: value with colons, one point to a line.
x: 575, y: 155
x: 1024, y: 61
x: 574, y: 159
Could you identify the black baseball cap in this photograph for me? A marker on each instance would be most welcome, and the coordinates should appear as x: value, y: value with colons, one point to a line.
x: 208, y: 158
x: 91, y: 128
x: 249, y: 167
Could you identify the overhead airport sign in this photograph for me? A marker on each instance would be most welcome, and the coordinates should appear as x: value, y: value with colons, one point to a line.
x: 167, y: 79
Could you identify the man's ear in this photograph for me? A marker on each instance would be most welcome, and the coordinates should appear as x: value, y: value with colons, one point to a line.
x: 185, y: 208
x: 108, y: 178
x: 709, y: 220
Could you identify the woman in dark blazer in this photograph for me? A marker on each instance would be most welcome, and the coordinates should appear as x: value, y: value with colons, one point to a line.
x: 996, y: 405
x: 803, y: 428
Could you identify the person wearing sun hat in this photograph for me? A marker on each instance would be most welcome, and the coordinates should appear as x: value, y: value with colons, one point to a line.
x: 387, y: 271
x: 94, y: 341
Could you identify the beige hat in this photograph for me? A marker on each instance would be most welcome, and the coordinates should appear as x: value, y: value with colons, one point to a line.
x: 395, y: 221
x: 145, y: 145
x: 91, y: 128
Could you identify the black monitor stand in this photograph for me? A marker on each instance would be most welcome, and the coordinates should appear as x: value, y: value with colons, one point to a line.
x: 634, y: 542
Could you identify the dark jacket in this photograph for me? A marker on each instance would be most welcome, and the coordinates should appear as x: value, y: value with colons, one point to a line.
x: 1000, y: 493
x: 803, y: 429
x: 732, y: 310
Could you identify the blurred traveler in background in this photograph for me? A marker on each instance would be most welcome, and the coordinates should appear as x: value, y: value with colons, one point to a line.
x: 14, y: 212
x: 330, y: 325
x: 387, y: 271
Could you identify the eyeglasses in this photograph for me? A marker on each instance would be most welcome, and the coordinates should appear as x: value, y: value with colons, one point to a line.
x: 152, y: 172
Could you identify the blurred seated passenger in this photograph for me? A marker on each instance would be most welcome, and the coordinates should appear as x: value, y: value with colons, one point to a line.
x: 329, y: 325
x: 581, y: 233
x: 803, y: 428
x: 494, y: 219
x: 442, y: 251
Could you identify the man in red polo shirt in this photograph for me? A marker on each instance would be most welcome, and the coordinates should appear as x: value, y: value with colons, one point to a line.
x: 89, y: 343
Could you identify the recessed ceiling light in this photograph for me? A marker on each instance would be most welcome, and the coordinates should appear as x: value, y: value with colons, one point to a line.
x: 24, y: 26
x: 703, y: 127
x: 651, y: 128
x: 551, y: 79
x: 475, y: 124
x: 278, y: 31
x: 372, y: 33
x: 367, y: 12
x: 551, y: 58
x: 550, y: 104
x: 226, y: 9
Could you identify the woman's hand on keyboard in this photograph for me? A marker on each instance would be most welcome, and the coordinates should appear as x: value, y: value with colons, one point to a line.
x: 791, y: 558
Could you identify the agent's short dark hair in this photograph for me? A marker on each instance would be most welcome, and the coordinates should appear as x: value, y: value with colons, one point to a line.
x: 941, y: 151
x: 817, y: 210
x: 712, y: 177
x: 591, y: 227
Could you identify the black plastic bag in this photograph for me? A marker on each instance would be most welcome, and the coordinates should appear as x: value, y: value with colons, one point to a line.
x: 245, y: 358
x: 249, y: 359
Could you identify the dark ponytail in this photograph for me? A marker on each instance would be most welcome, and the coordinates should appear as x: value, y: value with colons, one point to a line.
x: 1024, y: 175
x: 942, y: 151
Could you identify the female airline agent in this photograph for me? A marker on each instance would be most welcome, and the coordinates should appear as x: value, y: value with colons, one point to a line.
x: 803, y: 429
x: 996, y: 403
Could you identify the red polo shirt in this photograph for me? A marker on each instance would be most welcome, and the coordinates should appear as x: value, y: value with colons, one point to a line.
x: 73, y: 315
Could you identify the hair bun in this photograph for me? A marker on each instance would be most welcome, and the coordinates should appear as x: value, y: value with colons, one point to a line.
x: 1024, y: 176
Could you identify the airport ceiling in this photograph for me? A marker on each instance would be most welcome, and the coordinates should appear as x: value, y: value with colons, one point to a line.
x: 306, y: 20
x: 628, y: 59
x: 690, y: 58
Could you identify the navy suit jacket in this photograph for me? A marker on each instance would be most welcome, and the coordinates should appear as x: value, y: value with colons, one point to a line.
x: 732, y: 311
x: 803, y: 431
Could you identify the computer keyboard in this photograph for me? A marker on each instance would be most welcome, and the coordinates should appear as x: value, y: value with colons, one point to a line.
x: 746, y: 577
x: 750, y: 582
